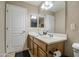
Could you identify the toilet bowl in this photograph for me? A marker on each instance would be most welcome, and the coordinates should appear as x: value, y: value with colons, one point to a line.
x: 75, y: 47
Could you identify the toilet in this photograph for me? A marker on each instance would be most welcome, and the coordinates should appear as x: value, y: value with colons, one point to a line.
x: 75, y: 47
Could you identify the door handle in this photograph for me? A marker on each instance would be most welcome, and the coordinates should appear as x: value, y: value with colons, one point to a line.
x: 6, y: 46
x: 23, y: 32
x: 7, y: 28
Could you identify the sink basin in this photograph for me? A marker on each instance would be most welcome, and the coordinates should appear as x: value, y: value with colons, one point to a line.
x: 47, y: 35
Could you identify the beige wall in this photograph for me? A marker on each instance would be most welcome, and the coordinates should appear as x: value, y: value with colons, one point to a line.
x: 60, y: 21
x: 2, y: 20
x: 72, y: 18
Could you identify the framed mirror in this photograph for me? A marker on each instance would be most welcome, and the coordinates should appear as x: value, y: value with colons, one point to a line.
x: 41, y: 22
x: 33, y: 19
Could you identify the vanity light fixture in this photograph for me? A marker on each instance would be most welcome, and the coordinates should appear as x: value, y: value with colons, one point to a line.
x: 47, y: 5
x: 33, y: 17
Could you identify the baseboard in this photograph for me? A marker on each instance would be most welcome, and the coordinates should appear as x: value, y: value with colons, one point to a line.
x: 2, y: 54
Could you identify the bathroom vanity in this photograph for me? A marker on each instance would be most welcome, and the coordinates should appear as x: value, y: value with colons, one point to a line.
x: 44, y: 46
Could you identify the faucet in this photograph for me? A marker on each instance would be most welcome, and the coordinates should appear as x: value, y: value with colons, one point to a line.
x: 51, y: 35
x: 45, y: 32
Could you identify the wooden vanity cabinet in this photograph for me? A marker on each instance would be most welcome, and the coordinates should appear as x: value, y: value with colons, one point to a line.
x: 41, y: 49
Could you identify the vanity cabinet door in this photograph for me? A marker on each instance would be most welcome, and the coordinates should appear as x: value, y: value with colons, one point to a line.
x: 41, y: 53
x: 53, y: 47
x: 28, y: 42
x: 35, y: 50
x: 61, y: 47
x: 31, y: 46
x: 40, y: 44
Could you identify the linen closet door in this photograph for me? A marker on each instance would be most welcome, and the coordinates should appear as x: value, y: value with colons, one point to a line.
x: 15, y: 28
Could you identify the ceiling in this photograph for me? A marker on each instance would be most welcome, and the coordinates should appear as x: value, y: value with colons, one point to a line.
x: 35, y: 3
x: 58, y: 5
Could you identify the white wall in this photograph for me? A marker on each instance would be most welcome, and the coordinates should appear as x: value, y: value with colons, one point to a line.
x: 72, y: 18
x: 60, y: 21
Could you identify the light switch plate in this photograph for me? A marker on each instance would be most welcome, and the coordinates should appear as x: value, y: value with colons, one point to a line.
x: 73, y: 27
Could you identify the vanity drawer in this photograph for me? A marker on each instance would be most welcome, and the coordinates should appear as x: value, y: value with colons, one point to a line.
x: 40, y: 44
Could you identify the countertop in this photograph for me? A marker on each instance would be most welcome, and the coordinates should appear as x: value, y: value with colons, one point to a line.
x: 57, y: 37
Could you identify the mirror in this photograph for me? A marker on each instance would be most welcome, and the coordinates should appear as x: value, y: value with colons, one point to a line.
x: 54, y: 17
x: 41, y: 22
x: 33, y: 21
x: 51, y: 20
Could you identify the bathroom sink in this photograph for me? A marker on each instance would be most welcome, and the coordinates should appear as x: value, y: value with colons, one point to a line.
x: 52, y: 38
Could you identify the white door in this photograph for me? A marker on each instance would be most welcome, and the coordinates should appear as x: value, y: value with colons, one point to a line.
x: 15, y: 28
